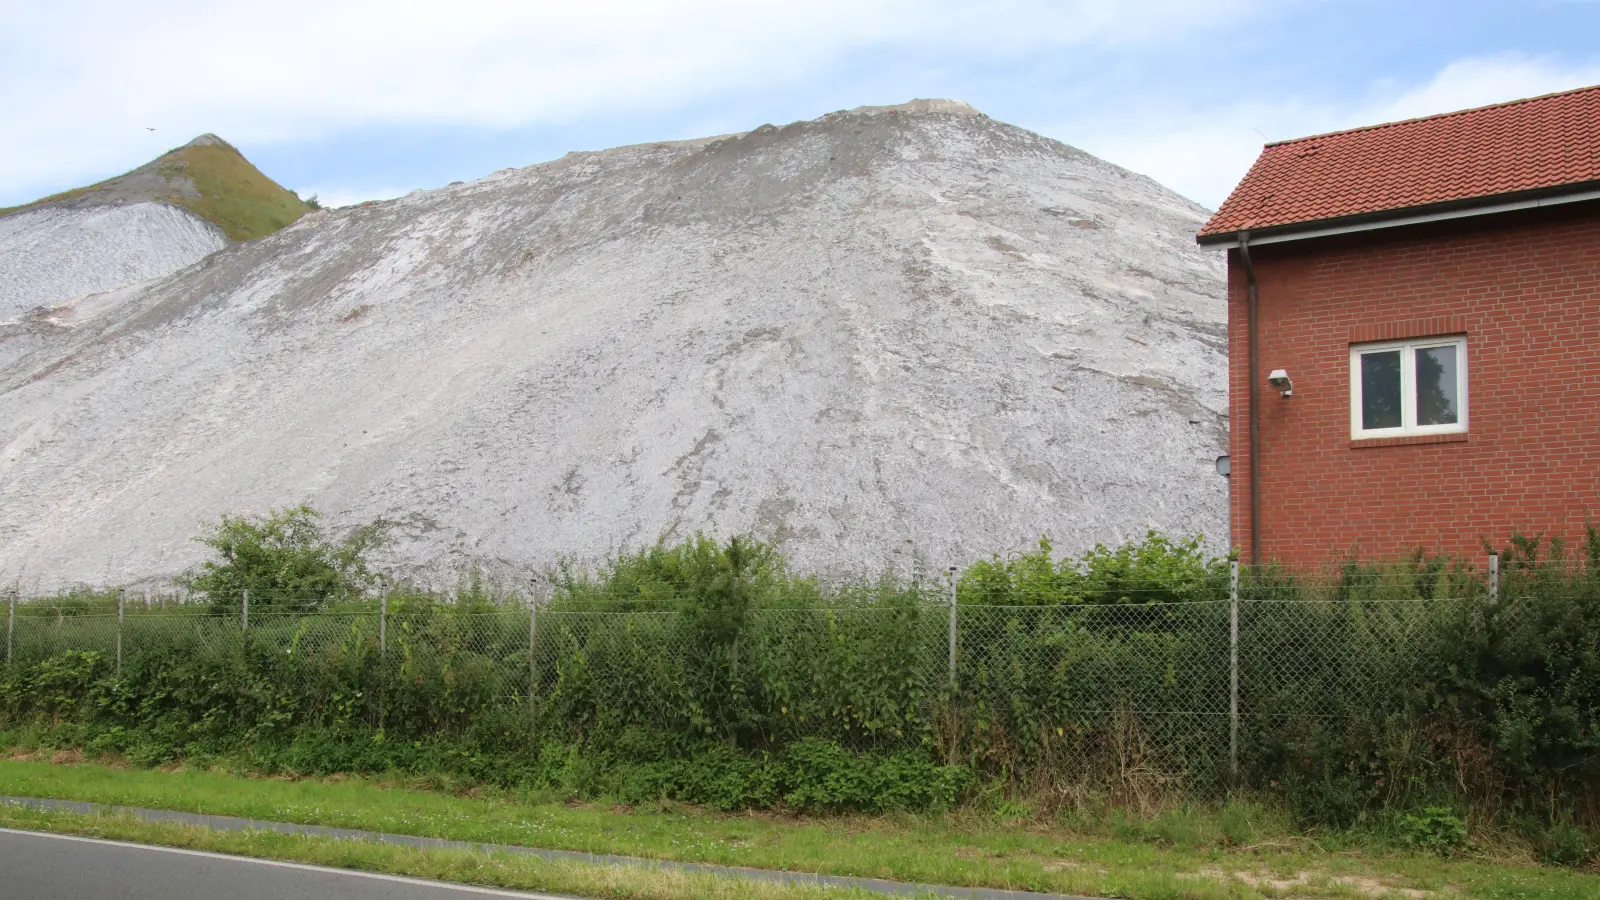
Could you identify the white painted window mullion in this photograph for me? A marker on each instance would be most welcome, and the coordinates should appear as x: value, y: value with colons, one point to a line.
x: 1408, y: 389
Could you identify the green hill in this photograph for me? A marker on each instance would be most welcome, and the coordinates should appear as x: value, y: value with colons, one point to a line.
x: 206, y: 176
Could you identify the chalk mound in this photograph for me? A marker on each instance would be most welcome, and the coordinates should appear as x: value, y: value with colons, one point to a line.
x: 152, y: 221
x: 868, y: 337
x: 949, y: 107
x: 51, y: 255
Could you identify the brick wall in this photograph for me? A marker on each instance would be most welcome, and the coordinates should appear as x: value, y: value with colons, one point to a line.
x: 1524, y: 289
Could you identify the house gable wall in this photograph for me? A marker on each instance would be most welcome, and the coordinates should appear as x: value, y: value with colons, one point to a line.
x: 1525, y: 289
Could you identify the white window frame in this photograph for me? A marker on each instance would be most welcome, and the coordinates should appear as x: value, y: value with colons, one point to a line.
x: 1408, y: 387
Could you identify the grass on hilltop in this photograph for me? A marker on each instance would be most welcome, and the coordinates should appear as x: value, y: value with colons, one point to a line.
x: 233, y: 194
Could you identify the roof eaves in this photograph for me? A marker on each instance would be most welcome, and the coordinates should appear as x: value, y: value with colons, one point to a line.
x: 1409, y: 215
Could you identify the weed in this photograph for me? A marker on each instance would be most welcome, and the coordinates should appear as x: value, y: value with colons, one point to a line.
x: 1435, y: 828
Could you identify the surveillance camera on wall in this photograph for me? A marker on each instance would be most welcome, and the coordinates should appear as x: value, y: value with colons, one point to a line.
x: 1279, y: 379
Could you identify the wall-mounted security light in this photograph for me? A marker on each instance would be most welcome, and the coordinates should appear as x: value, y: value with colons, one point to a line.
x: 1223, y: 467
x: 1279, y: 379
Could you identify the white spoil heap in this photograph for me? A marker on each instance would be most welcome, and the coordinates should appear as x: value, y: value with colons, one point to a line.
x: 885, y: 331
x: 53, y: 254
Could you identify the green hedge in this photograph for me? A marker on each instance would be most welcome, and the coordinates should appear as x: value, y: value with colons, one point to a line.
x: 710, y: 673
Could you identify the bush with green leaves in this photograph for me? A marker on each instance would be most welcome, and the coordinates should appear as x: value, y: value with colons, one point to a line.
x: 1436, y: 828
x: 1563, y: 843
x: 707, y: 671
x: 1155, y: 570
x: 284, y: 559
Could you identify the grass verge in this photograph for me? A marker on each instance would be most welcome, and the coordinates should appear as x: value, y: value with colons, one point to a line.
x: 499, y: 870
x: 1238, y: 852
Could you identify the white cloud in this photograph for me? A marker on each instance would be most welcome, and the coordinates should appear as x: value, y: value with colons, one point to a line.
x: 1478, y: 82
x: 81, y: 81
x: 1202, y: 154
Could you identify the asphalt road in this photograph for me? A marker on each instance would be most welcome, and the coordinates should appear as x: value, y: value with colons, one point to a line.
x: 58, y: 867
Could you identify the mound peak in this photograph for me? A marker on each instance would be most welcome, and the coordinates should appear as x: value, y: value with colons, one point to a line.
x: 208, y: 140
x: 945, y: 106
x: 207, y: 176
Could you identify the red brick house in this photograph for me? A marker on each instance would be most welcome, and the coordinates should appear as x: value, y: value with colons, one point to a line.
x: 1414, y: 334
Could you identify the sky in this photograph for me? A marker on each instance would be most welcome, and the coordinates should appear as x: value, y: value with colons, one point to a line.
x: 367, y: 99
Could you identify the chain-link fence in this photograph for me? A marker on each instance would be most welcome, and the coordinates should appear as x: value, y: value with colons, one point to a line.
x: 1142, y: 694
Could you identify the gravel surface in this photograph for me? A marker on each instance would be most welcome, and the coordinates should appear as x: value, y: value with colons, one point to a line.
x: 880, y: 334
x: 54, y: 254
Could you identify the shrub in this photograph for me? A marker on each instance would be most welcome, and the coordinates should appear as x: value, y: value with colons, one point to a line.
x: 1435, y: 828
x: 1566, y: 844
x: 1155, y: 570
x: 707, y: 672
x: 59, y: 686
x: 284, y: 560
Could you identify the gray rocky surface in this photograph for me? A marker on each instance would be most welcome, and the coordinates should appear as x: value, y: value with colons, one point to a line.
x: 881, y: 332
x: 53, y: 254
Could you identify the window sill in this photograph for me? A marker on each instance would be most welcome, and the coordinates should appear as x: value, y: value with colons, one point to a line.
x: 1450, y: 438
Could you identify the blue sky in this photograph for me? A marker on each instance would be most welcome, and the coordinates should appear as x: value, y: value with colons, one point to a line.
x: 363, y: 99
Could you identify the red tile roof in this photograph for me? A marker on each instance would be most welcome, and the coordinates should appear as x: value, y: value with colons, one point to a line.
x: 1539, y: 143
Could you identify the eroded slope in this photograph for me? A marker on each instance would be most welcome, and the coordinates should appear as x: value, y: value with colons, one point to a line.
x: 859, y: 335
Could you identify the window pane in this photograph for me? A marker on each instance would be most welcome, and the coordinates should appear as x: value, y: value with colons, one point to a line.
x: 1437, y: 403
x: 1380, y: 390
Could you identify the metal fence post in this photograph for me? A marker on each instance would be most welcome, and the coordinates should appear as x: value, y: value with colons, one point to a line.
x: 952, y: 641
x: 120, y: 599
x: 533, y: 646
x: 244, y: 611
x: 383, y: 620
x: 1233, y: 672
x: 11, y: 624
x: 1494, y: 578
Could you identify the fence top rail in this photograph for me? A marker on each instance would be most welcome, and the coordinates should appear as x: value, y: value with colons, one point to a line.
x: 31, y: 610
x: 130, y: 614
x: 1351, y: 601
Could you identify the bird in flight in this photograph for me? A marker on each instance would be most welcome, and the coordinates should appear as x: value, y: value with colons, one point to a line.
x: 148, y: 128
